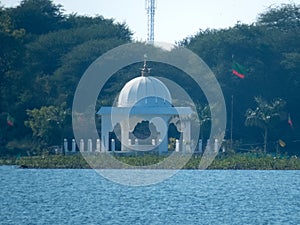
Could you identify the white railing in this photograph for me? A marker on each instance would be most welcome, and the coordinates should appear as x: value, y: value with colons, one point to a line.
x: 179, y: 146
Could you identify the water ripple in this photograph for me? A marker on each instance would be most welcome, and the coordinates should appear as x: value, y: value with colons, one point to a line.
x: 190, y: 197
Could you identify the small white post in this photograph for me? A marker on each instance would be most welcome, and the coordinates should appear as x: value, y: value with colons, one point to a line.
x: 129, y: 142
x: 224, y: 146
x: 153, y: 142
x: 208, y: 147
x: 73, y: 145
x: 216, y: 145
x: 177, y: 146
x: 98, y: 145
x: 81, y: 145
x: 113, y: 145
x: 200, y: 146
x: 66, y: 145
x: 90, y: 145
x: 136, y: 141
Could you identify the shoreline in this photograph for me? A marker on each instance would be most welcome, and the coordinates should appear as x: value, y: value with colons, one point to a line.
x: 240, y: 161
x: 18, y: 167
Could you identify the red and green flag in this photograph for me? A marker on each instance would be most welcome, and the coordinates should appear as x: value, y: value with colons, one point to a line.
x: 10, y: 120
x: 238, y: 70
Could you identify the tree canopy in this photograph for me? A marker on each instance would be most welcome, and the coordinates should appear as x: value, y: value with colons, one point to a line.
x: 269, y: 52
x: 43, y: 54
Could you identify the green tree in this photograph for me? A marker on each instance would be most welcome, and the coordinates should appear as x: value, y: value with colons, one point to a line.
x: 37, y: 16
x: 48, y: 124
x: 269, y: 52
x: 284, y: 17
x: 265, y: 115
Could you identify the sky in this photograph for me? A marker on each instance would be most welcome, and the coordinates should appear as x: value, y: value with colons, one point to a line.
x: 174, y: 19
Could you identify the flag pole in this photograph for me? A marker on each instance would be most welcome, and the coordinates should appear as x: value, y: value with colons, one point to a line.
x: 231, y: 123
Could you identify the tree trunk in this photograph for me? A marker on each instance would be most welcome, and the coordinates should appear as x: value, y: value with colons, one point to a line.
x: 265, y: 140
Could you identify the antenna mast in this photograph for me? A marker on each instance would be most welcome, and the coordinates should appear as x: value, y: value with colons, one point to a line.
x: 150, y: 7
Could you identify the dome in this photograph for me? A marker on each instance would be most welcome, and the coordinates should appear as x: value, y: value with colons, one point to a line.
x: 144, y: 91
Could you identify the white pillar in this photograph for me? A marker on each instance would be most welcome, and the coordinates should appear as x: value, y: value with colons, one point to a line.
x: 200, y: 146
x: 160, y: 146
x: 177, y: 146
x: 223, y: 148
x: 73, y: 145
x: 106, y: 126
x: 98, y: 145
x: 136, y: 141
x: 161, y: 124
x: 129, y: 142
x: 66, y: 145
x: 90, y: 145
x: 187, y: 134
x: 208, y: 146
x: 81, y: 145
x: 104, y: 142
x: 124, y: 134
x: 216, y: 145
x: 113, y: 145
x: 153, y: 142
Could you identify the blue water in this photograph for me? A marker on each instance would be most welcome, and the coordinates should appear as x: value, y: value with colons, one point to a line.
x: 189, y: 197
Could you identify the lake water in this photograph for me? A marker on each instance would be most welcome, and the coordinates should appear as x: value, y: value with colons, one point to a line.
x: 189, y: 197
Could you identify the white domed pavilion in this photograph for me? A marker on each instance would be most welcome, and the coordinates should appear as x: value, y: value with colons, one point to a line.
x: 143, y: 100
x: 151, y: 90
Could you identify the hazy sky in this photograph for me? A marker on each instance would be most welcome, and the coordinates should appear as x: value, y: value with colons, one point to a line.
x: 174, y: 19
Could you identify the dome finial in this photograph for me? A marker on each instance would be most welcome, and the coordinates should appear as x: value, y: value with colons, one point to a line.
x: 145, y: 70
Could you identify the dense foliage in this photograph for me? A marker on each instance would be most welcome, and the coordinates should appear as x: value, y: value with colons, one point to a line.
x: 269, y: 52
x: 43, y: 54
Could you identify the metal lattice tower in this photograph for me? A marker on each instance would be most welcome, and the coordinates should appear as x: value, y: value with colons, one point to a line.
x: 150, y: 7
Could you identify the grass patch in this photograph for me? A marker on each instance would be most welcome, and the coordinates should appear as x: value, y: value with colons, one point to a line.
x: 101, y: 161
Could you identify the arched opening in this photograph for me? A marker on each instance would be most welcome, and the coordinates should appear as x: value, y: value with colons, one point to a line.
x: 142, y: 130
x: 173, y: 135
x: 145, y: 132
x: 116, y: 135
